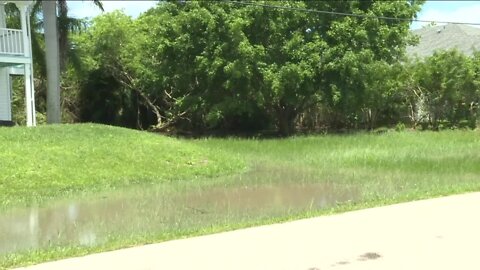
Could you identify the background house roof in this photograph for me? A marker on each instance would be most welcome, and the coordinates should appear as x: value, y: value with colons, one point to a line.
x: 465, y: 38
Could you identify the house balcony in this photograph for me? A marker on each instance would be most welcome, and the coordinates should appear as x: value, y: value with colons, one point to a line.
x: 12, y: 50
x: 11, y: 42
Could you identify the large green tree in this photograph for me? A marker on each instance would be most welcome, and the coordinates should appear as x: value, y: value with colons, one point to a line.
x: 223, y: 61
x: 203, y: 65
x: 107, y: 90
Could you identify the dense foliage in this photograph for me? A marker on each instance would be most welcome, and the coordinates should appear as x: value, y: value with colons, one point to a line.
x: 446, y: 90
x: 202, y: 66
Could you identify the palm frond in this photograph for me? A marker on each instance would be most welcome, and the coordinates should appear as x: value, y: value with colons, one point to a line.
x: 99, y: 4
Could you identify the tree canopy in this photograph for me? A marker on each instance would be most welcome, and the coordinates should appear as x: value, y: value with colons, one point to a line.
x: 199, y: 66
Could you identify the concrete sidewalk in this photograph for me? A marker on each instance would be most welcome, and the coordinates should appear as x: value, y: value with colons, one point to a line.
x: 434, y: 234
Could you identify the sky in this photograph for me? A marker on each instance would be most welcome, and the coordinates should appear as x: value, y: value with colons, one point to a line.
x: 458, y: 11
x: 86, y: 8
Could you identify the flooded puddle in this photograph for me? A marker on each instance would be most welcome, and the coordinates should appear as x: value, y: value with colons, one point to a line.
x: 90, y: 222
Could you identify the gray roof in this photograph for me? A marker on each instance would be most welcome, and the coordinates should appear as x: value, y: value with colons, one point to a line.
x: 462, y: 37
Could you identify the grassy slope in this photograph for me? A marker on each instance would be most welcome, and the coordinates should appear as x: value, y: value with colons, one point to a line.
x: 57, y: 160
x: 48, y: 162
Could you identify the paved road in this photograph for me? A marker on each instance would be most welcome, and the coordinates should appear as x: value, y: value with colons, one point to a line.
x: 439, y: 234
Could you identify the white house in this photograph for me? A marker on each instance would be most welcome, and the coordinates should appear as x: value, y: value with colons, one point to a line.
x: 16, y: 60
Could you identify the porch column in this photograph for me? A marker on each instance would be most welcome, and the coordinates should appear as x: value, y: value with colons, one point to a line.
x: 27, y: 48
x: 2, y: 15
x: 5, y: 102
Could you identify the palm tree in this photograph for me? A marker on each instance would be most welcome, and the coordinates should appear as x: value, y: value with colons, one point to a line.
x: 52, y: 59
x: 56, y: 42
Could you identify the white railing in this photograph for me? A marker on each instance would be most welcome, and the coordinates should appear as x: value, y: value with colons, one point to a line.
x: 11, y: 41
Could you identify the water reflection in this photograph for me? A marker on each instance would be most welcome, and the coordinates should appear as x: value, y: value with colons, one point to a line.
x: 92, y: 222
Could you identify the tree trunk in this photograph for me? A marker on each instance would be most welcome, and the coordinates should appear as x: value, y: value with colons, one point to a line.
x: 52, y: 61
x: 62, y: 32
x: 286, y: 120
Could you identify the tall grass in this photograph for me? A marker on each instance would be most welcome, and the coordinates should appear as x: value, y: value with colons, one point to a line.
x: 390, y: 166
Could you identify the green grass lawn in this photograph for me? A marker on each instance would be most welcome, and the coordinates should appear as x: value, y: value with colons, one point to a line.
x: 42, y: 165
x: 51, y: 162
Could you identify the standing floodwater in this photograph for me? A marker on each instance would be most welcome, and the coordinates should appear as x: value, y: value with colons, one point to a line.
x: 152, y: 211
